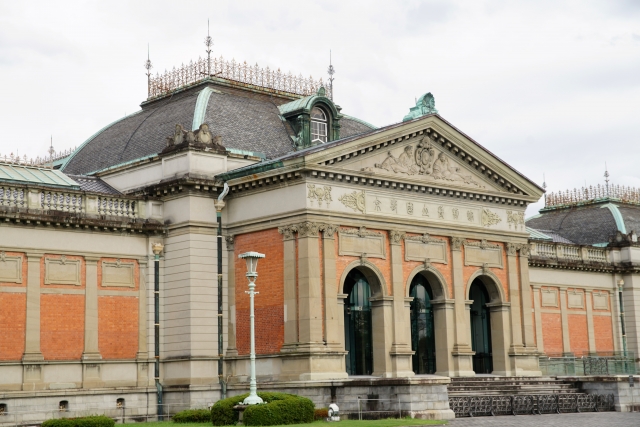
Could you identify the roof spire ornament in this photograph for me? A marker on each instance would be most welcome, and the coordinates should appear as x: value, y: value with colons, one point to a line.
x: 208, y: 42
x: 331, y: 71
x: 606, y: 177
x: 148, y: 66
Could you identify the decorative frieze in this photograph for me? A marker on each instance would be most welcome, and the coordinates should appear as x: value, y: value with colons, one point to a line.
x: 515, y: 219
x: 425, y: 247
x: 62, y: 271
x: 489, y: 218
x: 10, y: 268
x: 118, y: 274
x: 483, y: 254
x: 319, y: 194
x: 354, y: 200
x: 358, y: 241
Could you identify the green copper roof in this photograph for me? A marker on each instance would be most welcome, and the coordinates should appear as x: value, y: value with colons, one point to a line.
x: 20, y: 174
x: 201, y: 107
x: 535, y: 234
x: 617, y: 216
x: 426, y: 104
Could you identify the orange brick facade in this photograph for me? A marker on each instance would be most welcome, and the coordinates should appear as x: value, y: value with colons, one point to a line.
x: 118, y: 327
x: 269, y: 303
x: 61, y: 326
x: 13, y: 314
x: 552, y: 333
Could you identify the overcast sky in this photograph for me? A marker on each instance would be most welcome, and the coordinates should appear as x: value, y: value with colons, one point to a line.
x: 550, y: 87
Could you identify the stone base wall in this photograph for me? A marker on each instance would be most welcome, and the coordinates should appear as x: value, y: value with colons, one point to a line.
x: 626, y: 398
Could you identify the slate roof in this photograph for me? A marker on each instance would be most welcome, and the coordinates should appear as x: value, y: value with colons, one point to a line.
x: 93, y: 184
x: 245, y: 120
x: 587, y: 225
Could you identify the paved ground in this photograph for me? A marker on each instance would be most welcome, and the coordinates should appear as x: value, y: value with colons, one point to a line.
x: 592, y: 419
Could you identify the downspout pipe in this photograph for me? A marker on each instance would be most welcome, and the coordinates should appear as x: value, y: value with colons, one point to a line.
x: 157, y: 249
x: 220, y: 204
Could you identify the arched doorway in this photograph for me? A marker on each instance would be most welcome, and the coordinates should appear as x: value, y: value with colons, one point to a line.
x: 423, y: 341
x: 480, y: 328
x: 357, y: 324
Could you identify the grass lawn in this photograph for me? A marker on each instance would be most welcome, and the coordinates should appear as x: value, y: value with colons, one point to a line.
x: 346, y: 423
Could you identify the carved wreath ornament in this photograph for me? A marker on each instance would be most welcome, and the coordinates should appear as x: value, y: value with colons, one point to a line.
x: 354, y: 200
x: 425, y: 160
x: 319, y: 194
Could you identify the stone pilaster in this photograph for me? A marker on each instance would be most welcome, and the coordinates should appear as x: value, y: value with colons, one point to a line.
x: 525, y: 286
x: 231, y: 285
x: 462, y: 352
x: 290, y: 293
x: 32, y: 335
x: 401, y: 346
x: 500, y: 327
x: 514, y: 298
x: 332, y: 309
x: 381, y: 318
x: 443, y: 319
x: 566, y: 342
x: 91, y: 350
x: 538, y: 314
x: 310, y: 312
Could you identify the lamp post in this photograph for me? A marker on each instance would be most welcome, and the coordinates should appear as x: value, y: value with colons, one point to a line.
x: 251, y: 259
x: 157, y: 250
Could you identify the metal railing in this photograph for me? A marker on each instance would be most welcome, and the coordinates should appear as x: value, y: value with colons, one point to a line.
x: 119, y: 411
x: 605, y: 363
x: 472, y: 406
x: 592, y: 194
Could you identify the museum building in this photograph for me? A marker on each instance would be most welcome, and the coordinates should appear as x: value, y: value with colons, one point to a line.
x: 396, y: 257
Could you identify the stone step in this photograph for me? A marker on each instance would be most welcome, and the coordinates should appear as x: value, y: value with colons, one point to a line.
x: 511, y: 392
x: 509, y: 384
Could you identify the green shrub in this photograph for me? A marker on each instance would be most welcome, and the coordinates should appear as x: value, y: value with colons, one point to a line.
x: 279, y: 408
x: 192, y: 416
x: 93, y: 421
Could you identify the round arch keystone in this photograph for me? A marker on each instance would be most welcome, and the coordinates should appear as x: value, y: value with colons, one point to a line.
x: 435, y: 278
x: 373, y: 275
x: 491, y: 282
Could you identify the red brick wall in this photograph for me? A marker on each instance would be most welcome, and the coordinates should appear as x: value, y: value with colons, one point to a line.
x: 603, y: 333
x: 552, y: 333
x: 384, y: 265
x: 445, y: 269
x: 578, y: 335
x: 13, y: 316
x: 269, y: 304
x: 118, y: 327
x: 61, y: 326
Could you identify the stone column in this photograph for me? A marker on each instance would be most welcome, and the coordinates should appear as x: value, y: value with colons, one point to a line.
x: 401, y: 347
x: 231, y: 285
x: 32, y: 335
x: 527, y: 315
x: 514, y: 297
x: 310, y: 314
x: 290, y: 293
x: 462, y: 353
x: 443, y: 319
x: 588, y: 296
x: 91, y: 350
x: 538, y: 314
x: 143, y: 348
x: 381, y: 318
x: 566, y: 342
x: 332, y: 309
x: 500, y: 319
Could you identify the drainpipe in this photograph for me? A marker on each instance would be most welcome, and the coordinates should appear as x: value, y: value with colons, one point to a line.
x: 622, y: 325
x: 220, y: 204
x: 157, y: 249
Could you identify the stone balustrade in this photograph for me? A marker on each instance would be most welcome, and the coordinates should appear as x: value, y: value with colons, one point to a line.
x: 569, y: 253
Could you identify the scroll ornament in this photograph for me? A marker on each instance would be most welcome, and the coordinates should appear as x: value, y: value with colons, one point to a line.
x: 489, y: 218
x: 354, y: 200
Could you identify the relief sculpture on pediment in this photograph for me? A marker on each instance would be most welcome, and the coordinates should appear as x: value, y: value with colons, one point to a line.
x: 426, y: 160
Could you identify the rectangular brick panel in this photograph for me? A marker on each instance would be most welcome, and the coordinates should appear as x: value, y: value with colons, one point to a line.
x: 603, y: 333
x: 269, y: 303
x: 552, y: 333
x: 13, y: 314
x: 61, y: 326
x: 118, y: 327
x: 578, y: 335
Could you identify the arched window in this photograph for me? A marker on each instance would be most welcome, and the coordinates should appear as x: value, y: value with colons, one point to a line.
x: 357, y: 324
x: 318, y: 125
x: 480, y: 328
x: 423, y: 341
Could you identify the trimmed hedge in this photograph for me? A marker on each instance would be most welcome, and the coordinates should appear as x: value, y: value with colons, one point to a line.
x: 279, y: 408
x: 192, y: 416
x: 321, y: 414
x: 93, y: 421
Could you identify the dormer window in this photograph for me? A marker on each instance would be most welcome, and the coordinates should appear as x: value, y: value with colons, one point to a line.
x: 318, y: 126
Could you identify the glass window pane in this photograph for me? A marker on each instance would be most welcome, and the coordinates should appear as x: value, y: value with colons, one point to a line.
x: 318, y: 114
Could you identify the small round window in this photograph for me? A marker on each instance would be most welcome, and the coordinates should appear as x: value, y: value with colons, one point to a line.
x: 318, y: 125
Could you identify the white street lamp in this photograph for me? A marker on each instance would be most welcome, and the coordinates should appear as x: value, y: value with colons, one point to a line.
x: 252, y: 265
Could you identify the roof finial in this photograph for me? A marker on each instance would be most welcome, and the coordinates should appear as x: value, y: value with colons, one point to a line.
x: 331, y: 72
x: 148, y: 67
x: 208, y: 42
x: 544, y: 181
x: 606, y: 177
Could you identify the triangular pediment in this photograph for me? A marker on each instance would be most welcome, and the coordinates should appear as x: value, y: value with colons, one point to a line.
x: 428, y: 151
